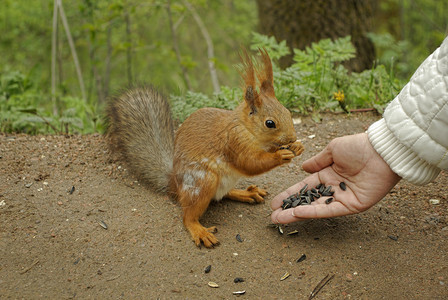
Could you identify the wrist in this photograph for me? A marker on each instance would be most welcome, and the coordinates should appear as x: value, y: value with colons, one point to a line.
x: 400, y: 158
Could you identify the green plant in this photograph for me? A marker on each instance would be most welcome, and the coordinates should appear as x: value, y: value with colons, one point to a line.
x: 23, y: 108
x: 316, y: 81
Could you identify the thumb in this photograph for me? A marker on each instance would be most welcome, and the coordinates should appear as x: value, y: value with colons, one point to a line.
x: 318, y: 161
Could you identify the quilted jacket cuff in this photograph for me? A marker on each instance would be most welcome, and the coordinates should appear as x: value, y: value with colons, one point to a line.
x: 401, y: 159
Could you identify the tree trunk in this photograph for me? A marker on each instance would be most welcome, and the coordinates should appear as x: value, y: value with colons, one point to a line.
x: 302, y: 22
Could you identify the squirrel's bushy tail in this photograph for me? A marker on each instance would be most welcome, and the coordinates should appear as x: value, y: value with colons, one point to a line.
x: 141, y: 129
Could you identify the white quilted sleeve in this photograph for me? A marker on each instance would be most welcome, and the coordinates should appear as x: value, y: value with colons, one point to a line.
x: 412, y: 136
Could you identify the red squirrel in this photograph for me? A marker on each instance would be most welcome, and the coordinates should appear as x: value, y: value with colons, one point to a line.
x: 204, y: 158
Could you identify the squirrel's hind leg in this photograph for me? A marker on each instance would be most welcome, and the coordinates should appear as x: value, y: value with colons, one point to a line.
x: 194, y: 203
x: 252, y: 194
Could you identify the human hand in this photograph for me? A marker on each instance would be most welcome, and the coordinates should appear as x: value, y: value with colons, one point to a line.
x: 350, y: 159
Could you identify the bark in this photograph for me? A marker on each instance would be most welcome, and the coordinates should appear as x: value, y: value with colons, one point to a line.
x: 302, y: 22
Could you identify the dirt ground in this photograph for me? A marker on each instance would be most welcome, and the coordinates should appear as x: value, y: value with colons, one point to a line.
x: 58, y: 193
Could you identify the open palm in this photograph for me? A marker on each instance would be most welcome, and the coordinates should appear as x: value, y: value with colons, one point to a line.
x: 349, y: 159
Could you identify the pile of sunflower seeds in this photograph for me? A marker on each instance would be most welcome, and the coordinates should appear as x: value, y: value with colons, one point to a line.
x: 306, y: 197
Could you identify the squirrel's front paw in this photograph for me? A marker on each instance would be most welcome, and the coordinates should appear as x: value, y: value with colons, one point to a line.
x: 296, y: 147
x: 285, y: 155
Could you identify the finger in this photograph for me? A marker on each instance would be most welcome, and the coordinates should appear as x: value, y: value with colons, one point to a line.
x: 318, y: 161
x: 311, y: 180
x: 300, y: 213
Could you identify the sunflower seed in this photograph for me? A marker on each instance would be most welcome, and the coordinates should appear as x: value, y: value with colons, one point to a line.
x: 393, y: 237
x: 238, y: 279
x: 329, y: 200
x: 280, y: 229
x: 287, y: 200
x: 321, y: 189
x: 208, y: 269
x: 342, y: 186
x: 301, y: 258
x: 238, y: 238
x: 315, y: 195
x: 103, y: 224
x: 239, y: 292
x: 71, y: 190
x: 286, y: 275
x: 292, y: 232
x: 213, y: 284
x: 302, y: 190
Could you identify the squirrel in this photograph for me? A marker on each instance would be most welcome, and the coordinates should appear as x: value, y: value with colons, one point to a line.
x: 204, y: 158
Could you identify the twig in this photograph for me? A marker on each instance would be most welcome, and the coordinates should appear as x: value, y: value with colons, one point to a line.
x: 73, y: 50
x: 53, y: 56
x: 210, y: 50
x: 320, y: 285
x: 176, y: 46
x: 29, y: 268
x: 112, y: 278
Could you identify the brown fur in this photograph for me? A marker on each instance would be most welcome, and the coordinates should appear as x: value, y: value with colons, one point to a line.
x: 212, y: 148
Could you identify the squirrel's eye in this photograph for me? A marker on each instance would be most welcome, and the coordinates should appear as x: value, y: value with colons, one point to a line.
x: 270, y: 124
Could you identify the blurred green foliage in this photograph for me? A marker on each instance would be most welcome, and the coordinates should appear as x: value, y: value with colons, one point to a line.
x: 316, y: 81
x: 106, y: 31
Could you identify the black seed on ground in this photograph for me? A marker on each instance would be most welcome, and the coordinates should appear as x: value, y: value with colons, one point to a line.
x: 207, y: 269
x: 71, y: 190
x: 393, y: 237
x: 238, y: 279
x: 301, y: 258
x: 238, y: 238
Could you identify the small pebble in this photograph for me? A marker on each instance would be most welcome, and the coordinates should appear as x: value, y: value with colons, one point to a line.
x: 434, y: 201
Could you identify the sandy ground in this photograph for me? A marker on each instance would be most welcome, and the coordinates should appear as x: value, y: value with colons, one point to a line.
x: 58, y: 193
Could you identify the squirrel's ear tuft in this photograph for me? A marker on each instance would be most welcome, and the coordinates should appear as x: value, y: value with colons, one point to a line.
x: 248, y: 74
x: 265, y: 74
